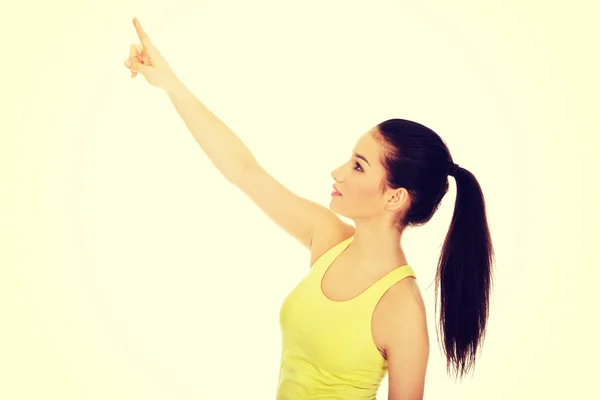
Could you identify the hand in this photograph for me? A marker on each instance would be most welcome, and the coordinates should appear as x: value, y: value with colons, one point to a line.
x: 145, y: 59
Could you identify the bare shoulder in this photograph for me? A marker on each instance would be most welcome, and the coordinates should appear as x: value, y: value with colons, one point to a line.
x: 329, y: 233
x: 405, y: 340
x: 400, y: 307
x: 405, y: 291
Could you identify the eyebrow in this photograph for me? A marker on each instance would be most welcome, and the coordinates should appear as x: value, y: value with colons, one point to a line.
x: 361, y: 157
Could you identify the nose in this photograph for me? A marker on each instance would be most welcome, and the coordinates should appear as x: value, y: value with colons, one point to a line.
x: 335, y: 174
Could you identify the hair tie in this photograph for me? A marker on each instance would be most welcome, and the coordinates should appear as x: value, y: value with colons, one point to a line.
x: 453, y: 169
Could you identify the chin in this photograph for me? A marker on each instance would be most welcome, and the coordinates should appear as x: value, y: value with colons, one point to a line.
x: 334, y: 209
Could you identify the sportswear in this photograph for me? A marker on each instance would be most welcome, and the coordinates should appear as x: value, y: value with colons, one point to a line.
x: 327, y: 346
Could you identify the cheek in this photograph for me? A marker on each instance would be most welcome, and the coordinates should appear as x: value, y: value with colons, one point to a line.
x: 366, y: 194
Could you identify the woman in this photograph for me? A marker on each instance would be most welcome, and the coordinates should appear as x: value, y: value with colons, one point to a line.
x: 355, y: 317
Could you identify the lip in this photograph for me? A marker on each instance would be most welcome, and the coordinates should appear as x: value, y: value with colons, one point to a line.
x: 334, y: 188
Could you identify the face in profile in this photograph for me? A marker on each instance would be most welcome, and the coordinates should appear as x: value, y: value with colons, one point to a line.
x: 359, y: 180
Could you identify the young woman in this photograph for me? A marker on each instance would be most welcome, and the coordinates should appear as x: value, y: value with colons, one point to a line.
x: 359, y: 313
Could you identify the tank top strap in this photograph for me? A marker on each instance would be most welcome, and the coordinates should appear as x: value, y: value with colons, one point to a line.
x: 376, y: 291
x: 330, y: 255
x: 373, y: 293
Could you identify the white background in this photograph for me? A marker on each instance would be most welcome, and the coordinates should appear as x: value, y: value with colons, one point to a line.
x: 131, y: 269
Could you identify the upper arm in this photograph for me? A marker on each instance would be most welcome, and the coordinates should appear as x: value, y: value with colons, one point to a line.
x: 407, y: 351
x: 298, y: 216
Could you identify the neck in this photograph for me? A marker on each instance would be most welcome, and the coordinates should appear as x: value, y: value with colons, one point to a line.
x: 376, y: 247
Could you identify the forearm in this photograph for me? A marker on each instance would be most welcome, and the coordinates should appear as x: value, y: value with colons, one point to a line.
x: 225, y: 150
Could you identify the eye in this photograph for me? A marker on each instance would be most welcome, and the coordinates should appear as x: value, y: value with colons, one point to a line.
x: 358, y: 166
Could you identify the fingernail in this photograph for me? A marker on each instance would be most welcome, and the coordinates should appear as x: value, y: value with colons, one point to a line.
x: 128, y: 63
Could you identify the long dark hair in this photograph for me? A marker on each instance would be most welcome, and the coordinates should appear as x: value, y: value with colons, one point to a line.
x: 417, y: 159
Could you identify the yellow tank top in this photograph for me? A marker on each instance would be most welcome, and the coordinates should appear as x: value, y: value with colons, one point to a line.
x: 327, y: 346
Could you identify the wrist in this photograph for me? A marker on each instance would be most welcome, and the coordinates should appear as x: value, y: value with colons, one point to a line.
x: 174, y: 86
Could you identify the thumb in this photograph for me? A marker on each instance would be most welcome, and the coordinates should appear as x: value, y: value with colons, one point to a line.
x: 136, y: 66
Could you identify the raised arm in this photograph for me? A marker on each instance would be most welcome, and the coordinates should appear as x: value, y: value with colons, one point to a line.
x: 298, y: 216
x: 226, y: 151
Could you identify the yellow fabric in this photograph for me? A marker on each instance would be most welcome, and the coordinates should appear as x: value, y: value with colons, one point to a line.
x: 327, y: 346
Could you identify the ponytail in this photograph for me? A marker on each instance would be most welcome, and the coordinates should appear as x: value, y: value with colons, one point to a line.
x: 465, y: 276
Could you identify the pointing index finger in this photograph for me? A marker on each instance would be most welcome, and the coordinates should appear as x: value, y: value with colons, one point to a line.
x: 141, y: 34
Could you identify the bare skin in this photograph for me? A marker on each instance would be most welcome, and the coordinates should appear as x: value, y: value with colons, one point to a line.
x: 375, y: 250
x: 345, y: 279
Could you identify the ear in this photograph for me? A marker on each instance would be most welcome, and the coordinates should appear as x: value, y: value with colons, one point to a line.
x: 397, y: 199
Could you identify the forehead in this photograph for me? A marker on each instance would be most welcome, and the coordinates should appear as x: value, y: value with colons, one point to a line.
x: 369, y: 147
